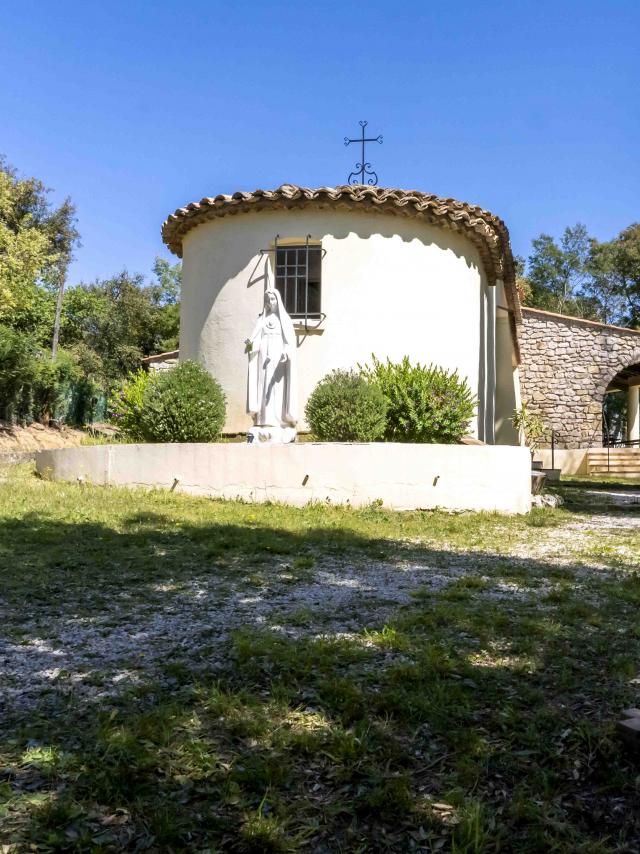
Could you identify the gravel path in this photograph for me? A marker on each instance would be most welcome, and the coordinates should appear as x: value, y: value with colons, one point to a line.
x: 50, y: 657
x: 131, y: 639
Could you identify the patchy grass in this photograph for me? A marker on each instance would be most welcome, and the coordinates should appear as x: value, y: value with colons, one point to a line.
x: 474, y: 715
x: 601, y: 481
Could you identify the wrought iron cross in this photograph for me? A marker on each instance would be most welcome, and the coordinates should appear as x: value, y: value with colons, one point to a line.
x: 363, y: 168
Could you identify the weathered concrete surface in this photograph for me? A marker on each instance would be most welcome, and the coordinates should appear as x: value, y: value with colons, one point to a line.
x: 567, y: 364
x: 404, y: 477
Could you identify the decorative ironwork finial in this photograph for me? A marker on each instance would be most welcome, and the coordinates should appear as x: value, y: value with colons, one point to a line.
x: 364, y: 173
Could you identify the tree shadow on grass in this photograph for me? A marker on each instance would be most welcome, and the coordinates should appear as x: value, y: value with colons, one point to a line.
x: 615, y: 499
x: 478, y: 716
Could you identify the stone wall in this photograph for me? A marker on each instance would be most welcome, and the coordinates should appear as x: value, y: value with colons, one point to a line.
x: 567, y: 364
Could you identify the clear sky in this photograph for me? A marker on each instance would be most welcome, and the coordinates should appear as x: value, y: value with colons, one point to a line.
x: 530, y: 109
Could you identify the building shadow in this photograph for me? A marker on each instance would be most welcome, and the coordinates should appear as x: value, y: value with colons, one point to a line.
x: 496, y: 702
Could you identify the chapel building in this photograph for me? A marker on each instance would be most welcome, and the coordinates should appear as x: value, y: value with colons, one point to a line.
x: 361, y: 270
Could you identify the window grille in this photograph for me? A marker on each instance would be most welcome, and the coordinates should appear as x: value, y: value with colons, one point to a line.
x: 298, y: 278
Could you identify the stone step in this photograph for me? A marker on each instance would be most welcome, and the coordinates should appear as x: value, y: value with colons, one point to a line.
x: 618, y: 470
x: 633, y: 461
x: 617, y: 461
x: 635, y: 472
x: 620, y: 458
x: 621, y: 461
x: 617, y: 452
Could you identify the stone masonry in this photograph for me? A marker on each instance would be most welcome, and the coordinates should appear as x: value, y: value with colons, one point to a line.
x: 566, y: 366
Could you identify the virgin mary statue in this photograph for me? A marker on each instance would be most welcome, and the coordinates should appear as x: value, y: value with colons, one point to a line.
x: 271, y: 381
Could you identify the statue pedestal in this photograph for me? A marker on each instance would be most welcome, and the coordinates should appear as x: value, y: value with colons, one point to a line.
x: 271, y: 435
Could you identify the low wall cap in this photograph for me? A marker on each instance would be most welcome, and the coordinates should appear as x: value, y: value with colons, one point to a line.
x: 487, y: 232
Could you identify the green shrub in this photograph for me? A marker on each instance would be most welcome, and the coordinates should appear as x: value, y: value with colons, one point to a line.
x: 183, y: 404
x: 424, y: 404
x: 32, y: 387
x: 17, y: 373
x: 344, y: 407
x: 530, y: 424
x: 125, y: 405
x: 53, y: 385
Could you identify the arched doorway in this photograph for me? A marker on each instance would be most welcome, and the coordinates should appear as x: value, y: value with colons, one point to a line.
x: 621, y: 409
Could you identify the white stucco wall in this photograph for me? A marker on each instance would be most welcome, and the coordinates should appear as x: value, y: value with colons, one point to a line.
x: 403, y: 477
x: 569, y: 461
x: 507, y: 375
x: 391, y: 285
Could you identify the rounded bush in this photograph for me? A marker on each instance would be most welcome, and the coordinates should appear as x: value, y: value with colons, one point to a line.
x: 424, y: 404
x: 182, y: 404
x: 344, y: 407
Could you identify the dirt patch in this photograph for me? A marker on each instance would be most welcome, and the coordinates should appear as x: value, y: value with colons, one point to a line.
x: 19, y: 443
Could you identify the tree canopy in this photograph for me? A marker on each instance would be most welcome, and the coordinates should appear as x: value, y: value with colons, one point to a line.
x: 111, y: 324
x: 582, y: 276
x: 36, y: 246
x: 106, y: 326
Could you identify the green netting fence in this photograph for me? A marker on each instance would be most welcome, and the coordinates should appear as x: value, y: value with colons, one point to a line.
x: 75, y: 403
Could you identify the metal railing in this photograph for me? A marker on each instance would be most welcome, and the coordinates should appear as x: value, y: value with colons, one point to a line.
x: 612, y: 438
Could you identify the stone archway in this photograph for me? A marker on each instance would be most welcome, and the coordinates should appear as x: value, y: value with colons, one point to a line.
x: 568, y: 364
x: 627, y: 383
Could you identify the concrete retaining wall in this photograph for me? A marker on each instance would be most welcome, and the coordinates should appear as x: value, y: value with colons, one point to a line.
x: 404, y: 477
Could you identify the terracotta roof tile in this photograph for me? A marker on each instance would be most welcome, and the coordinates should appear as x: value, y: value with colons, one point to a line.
x: 486, y: 231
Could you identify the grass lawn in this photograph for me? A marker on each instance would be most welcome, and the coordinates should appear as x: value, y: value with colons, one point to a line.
x: 181, y: 674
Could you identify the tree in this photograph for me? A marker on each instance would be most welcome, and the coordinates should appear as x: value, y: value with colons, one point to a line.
x: 557, y: 274
x: 169, y: 280
x: 36, y: 246
x: 112, y: 324
x: 584, y: 277
x: 167, y: 296
x: 615, y: 270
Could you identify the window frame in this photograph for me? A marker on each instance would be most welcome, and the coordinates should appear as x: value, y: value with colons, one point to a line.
x: 301, y: 246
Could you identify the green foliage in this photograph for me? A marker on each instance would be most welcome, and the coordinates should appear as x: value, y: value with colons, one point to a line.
x: 530, y: 424
x: 32, y: 387
x: 125, y: 405
x: 615, y: 277
x: 116, y: 322
x: 583, y: 277
x: 424, y: 404
x: 183, y: 404
x: 106, y: 326
x: 169, y: 281
x: 36, y: 246
x: 557, y: 273
x: 344, y: 407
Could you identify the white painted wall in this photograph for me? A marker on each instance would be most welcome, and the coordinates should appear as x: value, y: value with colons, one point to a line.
x: 403, y: 476
x: 507, y: 375
x: 569, y: 461
x: 391, y: 285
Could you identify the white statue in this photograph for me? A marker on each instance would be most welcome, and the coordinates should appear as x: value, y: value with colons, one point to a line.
x: 272, y: 381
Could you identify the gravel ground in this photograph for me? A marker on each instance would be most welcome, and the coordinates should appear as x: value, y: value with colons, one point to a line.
x: 49, y: 657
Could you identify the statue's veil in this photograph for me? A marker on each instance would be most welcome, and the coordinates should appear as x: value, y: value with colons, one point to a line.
x: 290, y: 348
x: 285, y: 320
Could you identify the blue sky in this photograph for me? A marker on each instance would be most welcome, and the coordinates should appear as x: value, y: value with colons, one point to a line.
x: 529, y: 109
